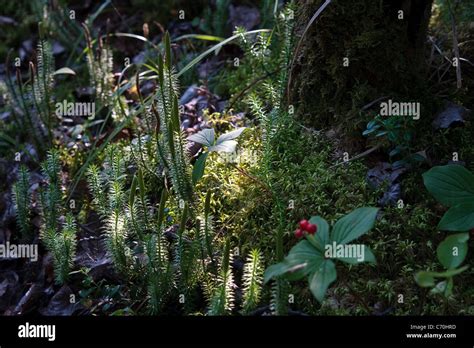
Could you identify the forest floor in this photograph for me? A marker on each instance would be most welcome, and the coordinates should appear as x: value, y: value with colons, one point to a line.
x: 190, y: 177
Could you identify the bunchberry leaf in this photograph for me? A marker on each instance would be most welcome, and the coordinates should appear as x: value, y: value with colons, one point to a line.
x: 199, y: 167
x: 226, y: 146
x: 452, y: 251
x: 205, y: 137
x: 230, y: 135
x: 368, y: 257
x: 354, y: 225
x: 303, y: 258
x: 450, y: 185
x: 458, y: 218
x: 322, y: 278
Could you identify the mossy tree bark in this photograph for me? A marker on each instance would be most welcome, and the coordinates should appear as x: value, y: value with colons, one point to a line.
x: 356, y: 52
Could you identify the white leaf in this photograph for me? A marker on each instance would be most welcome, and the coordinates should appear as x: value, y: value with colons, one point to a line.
x: 230, y: 136
x: 204, y: 137
x: 64, y: 70
x: 226, y: 146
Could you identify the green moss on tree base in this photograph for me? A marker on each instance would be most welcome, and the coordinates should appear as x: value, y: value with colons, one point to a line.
x: 385, y: 57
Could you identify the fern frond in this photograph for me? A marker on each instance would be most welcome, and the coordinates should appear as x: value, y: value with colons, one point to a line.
x: 41, y: 89
x: 256, y: 107
x: 51, y: 196
x: 160, y: 277
x: 222, y: 300
x: 98, y: 190
x: 116, y: 197
x: 115, y: 164
x: 64, y: 250
x: 252, y: 280
x: 286, y: 20
x: 173, y: 144
x: 51, y: 167
x: 100, y: 69
x: 62, y: 245
x: 205, y: 231
x: 22, y: 199
x: 44, y: 81
x: 116, y: 242
x: 180, y: 169
x: 279, y: 297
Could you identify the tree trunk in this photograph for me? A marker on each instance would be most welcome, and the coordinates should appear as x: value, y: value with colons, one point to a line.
x: 356, y: 52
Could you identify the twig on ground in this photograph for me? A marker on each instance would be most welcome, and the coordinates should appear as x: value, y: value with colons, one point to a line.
x: 363, y: 154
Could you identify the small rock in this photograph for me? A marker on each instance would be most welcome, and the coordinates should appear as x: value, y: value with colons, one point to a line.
x: 384, y: 173
x: 244, y: 16
x: 7, y: 20
x: 186, y: 123
x: 60, y: 303
x: 189, y: 94
x: 29, y: 301
x: 451, y: 116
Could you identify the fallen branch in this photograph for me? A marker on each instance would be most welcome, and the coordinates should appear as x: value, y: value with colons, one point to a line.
x: 363, y: 154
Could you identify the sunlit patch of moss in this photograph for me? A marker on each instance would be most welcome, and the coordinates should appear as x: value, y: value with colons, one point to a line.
x: 302, y: 177
x: 404, y: 239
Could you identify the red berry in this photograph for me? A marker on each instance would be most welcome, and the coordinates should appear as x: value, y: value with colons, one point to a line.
x: 304, y: 224
x: 312, y: 229
x: 299, y: 233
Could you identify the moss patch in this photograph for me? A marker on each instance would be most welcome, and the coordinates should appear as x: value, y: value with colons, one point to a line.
x: 369, y: 36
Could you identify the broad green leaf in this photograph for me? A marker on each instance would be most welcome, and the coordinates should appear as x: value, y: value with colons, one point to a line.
x: 458, y: 218
x: 226, y: 146
x: 354, y: 225
x: 452, y: 250
x: 305, y: 253
x: 450, y: 185
x: 449, y: 287
x: 199, y: 167
x: 322, y: 234
x: 296, y: 274
x: 230, y: 135
x: 205, y: 137
x: 367, y: 256
x: 303, y: 258
x: 279, y: 269
x: 452, y: 272
x: 322, y: 278
x: 275, y: 271
x: 425, y: 279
